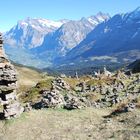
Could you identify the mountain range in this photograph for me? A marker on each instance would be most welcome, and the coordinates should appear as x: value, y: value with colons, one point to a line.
x: 95, y: 40
x: 114, y: 41
x: 40, y: 41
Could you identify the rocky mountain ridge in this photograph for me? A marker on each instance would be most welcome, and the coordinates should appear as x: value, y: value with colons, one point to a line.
x: 114, y: 41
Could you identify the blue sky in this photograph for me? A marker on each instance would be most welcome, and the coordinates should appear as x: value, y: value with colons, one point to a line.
x: 14, y: 10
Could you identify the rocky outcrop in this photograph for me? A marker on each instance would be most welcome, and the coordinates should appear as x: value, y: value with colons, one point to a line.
x: 135, y: 66
x: 8, y: 86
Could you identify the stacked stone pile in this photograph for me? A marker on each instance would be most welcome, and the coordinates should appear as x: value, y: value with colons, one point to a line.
x: 8, y: 86
x: 122, y: 89
x: 83, y: 87
x: 52, y: 99
x: 60, y: 96
x: 104, y: 74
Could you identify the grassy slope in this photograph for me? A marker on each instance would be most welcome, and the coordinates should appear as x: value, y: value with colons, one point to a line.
x: 27, y: 77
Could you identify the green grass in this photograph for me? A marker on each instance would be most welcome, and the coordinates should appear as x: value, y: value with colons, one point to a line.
x: 45, y: 84
x: 23, y: 117
x: 34, y: 93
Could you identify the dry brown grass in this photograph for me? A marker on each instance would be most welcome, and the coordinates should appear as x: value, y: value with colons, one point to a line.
x: 87, y: 124
x: 100, y: 82
x: 72, y: 81
x: 52, y: 125
x: 27, y: 77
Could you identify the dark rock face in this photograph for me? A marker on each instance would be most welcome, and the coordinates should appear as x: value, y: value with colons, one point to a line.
x: 135, y: 66
x: 8, y: 86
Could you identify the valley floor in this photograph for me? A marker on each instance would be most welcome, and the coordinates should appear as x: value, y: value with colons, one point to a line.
x: 86, y: 124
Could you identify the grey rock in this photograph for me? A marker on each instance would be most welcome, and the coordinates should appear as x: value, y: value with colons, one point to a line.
x: 27, y: 107
x: 73, y: 103
x: 53, y: 100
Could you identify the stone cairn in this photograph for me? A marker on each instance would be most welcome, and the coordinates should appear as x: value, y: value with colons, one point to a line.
x: 61, y: 96
x: 8, y: 86
x: 103, y: 74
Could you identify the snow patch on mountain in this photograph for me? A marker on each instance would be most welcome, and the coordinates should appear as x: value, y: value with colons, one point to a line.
x: 100, y: 17
x: 50, y: 23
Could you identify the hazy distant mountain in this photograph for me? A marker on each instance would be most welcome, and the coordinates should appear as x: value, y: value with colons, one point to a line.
x: 115, y: 40
x: 46, y: 39
x: 29, y: 33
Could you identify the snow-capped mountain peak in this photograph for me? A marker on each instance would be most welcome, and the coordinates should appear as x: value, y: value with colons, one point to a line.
x: 135, y: 13
x: 40, y: 22
x: 98, y: 18
x: 50, y: 23
x: 30, y: 32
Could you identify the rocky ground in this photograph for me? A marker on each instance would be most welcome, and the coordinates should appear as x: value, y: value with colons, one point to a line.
x: 103, y: 106
x: 100, y: 91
